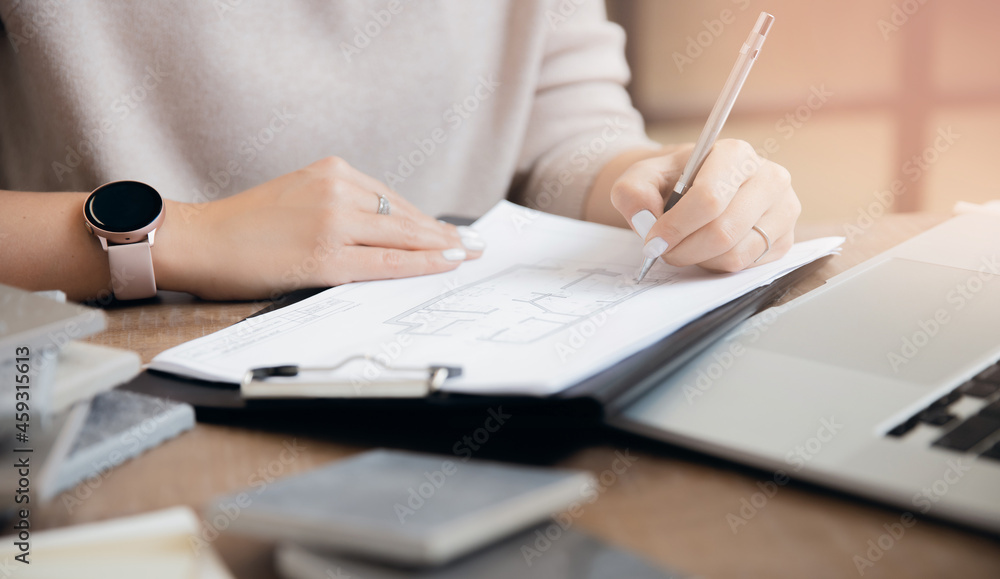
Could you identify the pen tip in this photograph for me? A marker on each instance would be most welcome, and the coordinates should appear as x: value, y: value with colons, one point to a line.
x: 646, y: 265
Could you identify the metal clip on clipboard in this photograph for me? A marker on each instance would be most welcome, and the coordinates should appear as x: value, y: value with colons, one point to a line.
x: 407, y: 381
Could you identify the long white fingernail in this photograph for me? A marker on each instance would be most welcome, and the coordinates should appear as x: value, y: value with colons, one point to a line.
x: 473, y: 243
x: 466, y: 231
x: 654, y: 248
x: 643, y: 221
x: 456, y: 254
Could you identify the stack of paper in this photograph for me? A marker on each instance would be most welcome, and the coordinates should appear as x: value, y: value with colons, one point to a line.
x: 552, y: 301
x: 159, y: 545
x: 39, y: 334
x: 990, y: 207
x: 51, y: 377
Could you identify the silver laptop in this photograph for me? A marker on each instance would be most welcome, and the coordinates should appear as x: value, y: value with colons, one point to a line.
x: 884, y: 382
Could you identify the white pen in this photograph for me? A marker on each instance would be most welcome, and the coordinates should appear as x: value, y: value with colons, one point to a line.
x: 748, y: 55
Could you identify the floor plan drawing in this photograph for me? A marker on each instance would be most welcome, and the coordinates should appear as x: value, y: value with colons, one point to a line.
x: 553, y: 301
x: 525, y: 303
x: 254, y: 330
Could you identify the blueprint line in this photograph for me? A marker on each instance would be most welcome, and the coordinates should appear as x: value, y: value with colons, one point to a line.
x: 523, y: 303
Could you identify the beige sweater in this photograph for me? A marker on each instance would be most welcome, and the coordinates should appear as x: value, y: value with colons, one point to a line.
x: 456, y: 104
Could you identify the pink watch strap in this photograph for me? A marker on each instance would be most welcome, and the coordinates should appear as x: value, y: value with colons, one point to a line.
x: 132, y: 271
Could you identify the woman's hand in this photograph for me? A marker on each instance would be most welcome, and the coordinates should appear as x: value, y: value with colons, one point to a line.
x: 712, y: 224
x: 315, y: 227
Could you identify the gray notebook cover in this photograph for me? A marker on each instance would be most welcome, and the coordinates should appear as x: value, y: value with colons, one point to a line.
x: 407, y: 507
x: 532, y: 554
x: 39, y: 321
x: 120, y: 425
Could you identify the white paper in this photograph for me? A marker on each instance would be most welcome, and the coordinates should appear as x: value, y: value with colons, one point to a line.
x: 552, y: 301
x: 990, y: 207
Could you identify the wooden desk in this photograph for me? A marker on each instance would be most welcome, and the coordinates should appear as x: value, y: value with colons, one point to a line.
x: 670, y: 505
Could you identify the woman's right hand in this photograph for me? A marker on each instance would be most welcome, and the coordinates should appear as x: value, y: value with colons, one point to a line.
x: 315, y: 227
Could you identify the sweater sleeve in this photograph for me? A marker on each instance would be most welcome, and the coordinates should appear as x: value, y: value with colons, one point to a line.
x: 581, y: 117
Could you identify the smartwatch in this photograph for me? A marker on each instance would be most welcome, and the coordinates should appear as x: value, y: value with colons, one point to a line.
x: 124, y: 215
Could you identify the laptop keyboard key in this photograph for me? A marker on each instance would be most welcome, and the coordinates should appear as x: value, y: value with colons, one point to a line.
x: 992, y: 452
x: 991, y: 374
x: 935, y: 416
x: 973, y: 430
x: 970, y: 433
x: 946, y: 400
x: 992, y: 409
x: 903, y: 428
x: 978, y: 389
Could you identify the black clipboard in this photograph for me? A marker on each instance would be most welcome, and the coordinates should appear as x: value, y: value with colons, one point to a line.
x: 582, y: 405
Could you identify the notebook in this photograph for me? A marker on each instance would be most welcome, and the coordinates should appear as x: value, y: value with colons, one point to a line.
x: 155, y: 545
x: 532, y: 554
x: 552, y: 301
x: 404, y: 507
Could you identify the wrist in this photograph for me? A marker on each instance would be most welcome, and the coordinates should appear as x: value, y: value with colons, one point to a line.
x: 174, y: 253
x: 598, y: 206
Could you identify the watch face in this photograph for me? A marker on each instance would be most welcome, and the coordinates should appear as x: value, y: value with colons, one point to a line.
x: 123, y: 206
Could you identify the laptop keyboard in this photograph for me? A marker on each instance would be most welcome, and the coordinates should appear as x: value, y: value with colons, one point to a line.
x: 977, y: 433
